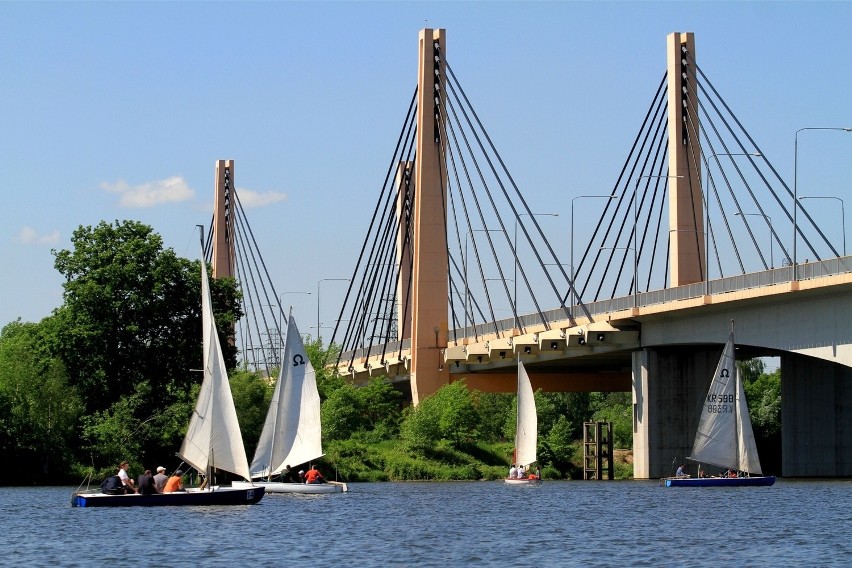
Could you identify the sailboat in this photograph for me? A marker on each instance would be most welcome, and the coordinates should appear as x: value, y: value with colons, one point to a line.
x: 292, y: 432
x: 725, y: 437
x: 212, y: 439
x: 526, y: 428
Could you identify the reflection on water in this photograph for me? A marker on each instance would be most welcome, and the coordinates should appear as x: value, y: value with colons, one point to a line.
x: 584, y: 523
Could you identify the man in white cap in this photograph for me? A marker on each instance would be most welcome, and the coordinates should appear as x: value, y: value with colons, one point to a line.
x: 160, y: 479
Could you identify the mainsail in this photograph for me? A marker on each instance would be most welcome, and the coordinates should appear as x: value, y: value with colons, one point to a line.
x: 292, y: 431
x: 213, y: 437
x: 526, y: 428
x: 724, y: 436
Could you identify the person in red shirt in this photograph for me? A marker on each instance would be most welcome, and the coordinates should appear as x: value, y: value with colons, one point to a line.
x: 314, y: 476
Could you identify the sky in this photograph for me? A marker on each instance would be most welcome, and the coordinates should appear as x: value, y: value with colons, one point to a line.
x: 119, y: 110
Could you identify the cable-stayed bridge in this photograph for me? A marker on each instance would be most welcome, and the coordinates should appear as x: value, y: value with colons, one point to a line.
x: 456, y: 277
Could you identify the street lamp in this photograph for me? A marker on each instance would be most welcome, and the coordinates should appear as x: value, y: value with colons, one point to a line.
x: 707, y: 212
x: 281, y: 307
x: 842, y: 213
x: 795, y: 188
x: 573, y: 286
x: 319, y: 337
x: 466, y: 289
x: 635, y: 279
x: 635, y: 241
x: 768, y: 220
x: 515, y: 249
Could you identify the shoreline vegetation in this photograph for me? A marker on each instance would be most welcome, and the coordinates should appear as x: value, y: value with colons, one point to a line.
x: 105, y: 378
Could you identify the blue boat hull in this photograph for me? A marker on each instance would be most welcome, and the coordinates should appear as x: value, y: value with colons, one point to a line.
x: 219, y: 496
x: 759, y: 481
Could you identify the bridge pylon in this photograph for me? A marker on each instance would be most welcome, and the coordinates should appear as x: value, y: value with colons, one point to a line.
x: 686, y: 207
x: 223, y: 220
x: 430, y: 266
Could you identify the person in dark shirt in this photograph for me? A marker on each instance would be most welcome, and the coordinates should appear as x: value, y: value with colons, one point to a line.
x: 146, y: 484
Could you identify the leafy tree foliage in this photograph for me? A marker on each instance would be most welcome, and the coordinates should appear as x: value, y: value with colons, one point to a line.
x: 38, y: 409
x: 129, y: 332
x: 371, y: 412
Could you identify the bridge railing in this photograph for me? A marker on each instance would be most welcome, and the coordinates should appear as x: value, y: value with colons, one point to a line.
x: 808, y: 271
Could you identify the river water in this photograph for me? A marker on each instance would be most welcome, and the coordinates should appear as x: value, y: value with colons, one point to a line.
x: 573, y: 523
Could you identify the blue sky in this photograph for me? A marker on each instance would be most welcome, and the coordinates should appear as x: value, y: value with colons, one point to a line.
x: 119, y: 110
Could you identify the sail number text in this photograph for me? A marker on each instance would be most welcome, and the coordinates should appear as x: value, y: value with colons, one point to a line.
x: 720, y: 403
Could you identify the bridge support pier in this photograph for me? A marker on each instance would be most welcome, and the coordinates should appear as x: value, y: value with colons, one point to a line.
x: 816, y: 417
x: 669, y: 385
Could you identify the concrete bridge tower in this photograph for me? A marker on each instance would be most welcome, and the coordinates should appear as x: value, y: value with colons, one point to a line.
x: 429, y: 284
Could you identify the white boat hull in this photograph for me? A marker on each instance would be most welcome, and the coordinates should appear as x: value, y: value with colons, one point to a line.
x: 522, y: 481
x: 298, y: 488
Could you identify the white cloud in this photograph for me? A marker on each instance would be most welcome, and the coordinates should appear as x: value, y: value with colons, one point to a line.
x: 150, y: 194
x: 29, y: 236
x: 252, y: 199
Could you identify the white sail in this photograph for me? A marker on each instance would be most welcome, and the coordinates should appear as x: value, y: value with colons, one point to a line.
x: 724, y: 437
x: 292, y: 432
x: 213, y: 437
x: 526, y: 431
x: 747, y: 458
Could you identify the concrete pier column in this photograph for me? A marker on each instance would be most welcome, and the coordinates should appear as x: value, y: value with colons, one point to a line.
x: 669, y: 385
x: 816, y: 418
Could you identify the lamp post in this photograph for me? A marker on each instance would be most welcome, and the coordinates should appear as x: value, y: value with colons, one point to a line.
x: 466, y: 289
x: 842, y: 213
x: 319, y: 336
x: 515, y: 249
x: 573, y: 199
x: 707, y: 213
x: 795, y: 185
x: 635, y: 278
x: 636, y: 242
x: 281, y: 306
x: 768, y: 220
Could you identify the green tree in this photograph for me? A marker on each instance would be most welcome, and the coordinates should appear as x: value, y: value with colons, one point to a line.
x: 371, y: 412
x: 130, y: 326
x: 39, y: 409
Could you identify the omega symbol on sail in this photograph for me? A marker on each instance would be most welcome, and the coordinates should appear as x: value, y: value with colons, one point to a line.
x: 298, y: 360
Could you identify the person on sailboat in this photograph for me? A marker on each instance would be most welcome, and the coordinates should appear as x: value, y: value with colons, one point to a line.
x: 314, y: 476
x: 160, y: 479
x: 513, y: 472
x: 125, y: 479
x: 520, y: 471
x: 680, y: 471
x: 174, y: 483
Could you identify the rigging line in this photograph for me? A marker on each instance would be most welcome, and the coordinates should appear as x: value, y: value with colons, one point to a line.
x: 474, y: 307
x: 380, y: 242
x: 406, y: 126
x: 499, y: 218
x: 208, y: 245
x: 799, y: 226
x: 553, y: 256
x: 735, y: 164
x: 633, y: 157
x: 454, y: 137
x: 758, y: 204
x: 638, y: 161
x: 249, y: 277
x: 354, y: 329
x: 378, y: 255
x: 660, y: 210
x: 405, y: 317
x: 712, y: 186
x: 240, y: 224
x: 458, y: 242
x: 240, y: 213
x: 660, y: 160
x: 730, y: 190
x: 406, y: 135
x: 693, y: 133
